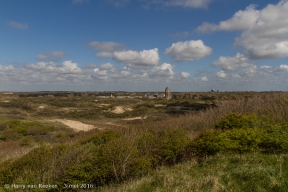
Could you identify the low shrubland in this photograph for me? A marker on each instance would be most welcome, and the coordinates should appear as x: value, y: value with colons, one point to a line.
x: 246, y: 172
x: 240, y: 145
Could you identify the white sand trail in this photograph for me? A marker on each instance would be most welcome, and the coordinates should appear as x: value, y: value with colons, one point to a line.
x: 76, y: 125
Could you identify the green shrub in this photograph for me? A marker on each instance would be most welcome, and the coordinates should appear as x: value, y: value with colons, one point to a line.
x: 208, y: 143
x: 164, y: 147
x: 101, y: 138
x: 275, y: 140
x: 232, y: 141
x: 236, y: 121
x: 235, y: 133
x: 147, y: 104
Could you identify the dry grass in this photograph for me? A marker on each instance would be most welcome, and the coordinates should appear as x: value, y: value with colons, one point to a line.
x: 12, y: 149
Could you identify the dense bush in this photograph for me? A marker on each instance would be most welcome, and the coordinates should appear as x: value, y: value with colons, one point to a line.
x: 29, y: 132
x: 235, y: 133
x: 165, y: 147
x: 236, y: 121
x: 107, y: 157
x: 147, y: 104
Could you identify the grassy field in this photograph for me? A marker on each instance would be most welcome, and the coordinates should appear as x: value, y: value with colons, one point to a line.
x: 194, y: 142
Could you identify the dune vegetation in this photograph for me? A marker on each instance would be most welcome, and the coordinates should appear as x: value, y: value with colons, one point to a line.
x: 219, y: 142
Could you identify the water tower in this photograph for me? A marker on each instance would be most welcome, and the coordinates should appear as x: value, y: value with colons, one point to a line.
x: 168, y: 94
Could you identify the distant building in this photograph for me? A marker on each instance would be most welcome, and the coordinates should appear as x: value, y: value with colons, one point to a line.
x: 168, y: 94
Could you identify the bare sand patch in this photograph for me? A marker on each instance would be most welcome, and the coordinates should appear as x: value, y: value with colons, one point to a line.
x: 69, y: 108
x: 5, y: 101
x: 110, y: 123
x: 135, y: 118
x: 103, y: 104
x: 128, y: 109
x: 160, y: 105
x: 76, y: 125
x: 42, y: 106
x: 118, y: 110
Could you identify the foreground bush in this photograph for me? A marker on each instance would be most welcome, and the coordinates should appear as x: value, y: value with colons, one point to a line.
x: 236, y: 121
x: 246, y: 172
x: 235, y: 133
x: 107, y: 157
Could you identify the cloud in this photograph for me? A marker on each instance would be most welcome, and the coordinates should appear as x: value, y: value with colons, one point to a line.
x: 204, y: 78
x: 106, y: 46
x: 58, y: 54
x: 118, y: 3
x: 283, y: 68
x: 221, y: 75
x: 188, y: 50
x: 69, y: 67
x: 179, y: 3
x: 99, y: 74
x: 70, y: 73
x: 249, y: 72
x: 188, y: 3
x: 164, y: 70
x: 232, y: 63
x: 51, y: 67
x: 183, y: 34
x: 134, y: 58
x: 51, y: 56
x: 104, y: 54
x: 79, y: 1
x: 264, y: 32
x: 17, y: 25
x: 43, y: 57
x: 106, y: 66
x: 185, y: 75
x: 43, y: 73
x: 241, y: 20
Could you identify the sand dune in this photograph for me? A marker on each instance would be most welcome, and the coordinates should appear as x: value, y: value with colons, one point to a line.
x: 76, y: 125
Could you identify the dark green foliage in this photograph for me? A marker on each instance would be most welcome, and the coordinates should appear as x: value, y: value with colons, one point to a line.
x: 101, y: 138
x: 164, y: 147
x: 236, y: 121
x: 275, y: 140
x: 235, y: 133
x: 145, y: 104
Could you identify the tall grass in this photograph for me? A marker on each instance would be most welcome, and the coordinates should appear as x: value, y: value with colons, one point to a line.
x: 248, y: 172
x: 272, y: 106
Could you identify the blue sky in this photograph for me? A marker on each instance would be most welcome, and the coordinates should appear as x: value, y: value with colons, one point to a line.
x: 143, y: 45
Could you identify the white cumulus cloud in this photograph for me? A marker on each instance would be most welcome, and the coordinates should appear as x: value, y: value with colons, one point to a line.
x: 185, y: 75
x: 221, y: 75
x: 232, y: 63
x: 188, y: 50
x: 135, y: 58
x: 164, y: 70
x: 249, y: 72
x: 264, y: 32
x: 283, y: 68
x: 204, y: 78
x: 106, y: 66
x: 241, y: 20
